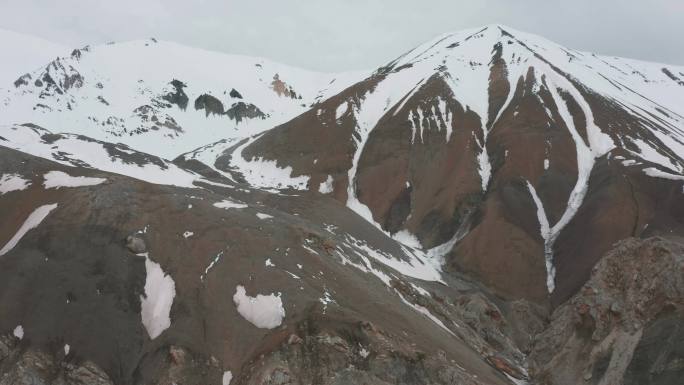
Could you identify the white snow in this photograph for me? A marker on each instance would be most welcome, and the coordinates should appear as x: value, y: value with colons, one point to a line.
x: 422, y: 310
x: 211, y: 265
x: 19, y: 332
x: 70, y: 150
x: 647, y: 152
x: 262, y: 173
x: 57, y: 179
x: 268, y: 263
x: 262, y: 311
x: 227, y: 204
x: 599, y: 145
x: 188, y: 234
x: 25, y: 53
x: 34, y: 219
x: 13, y: 182
x: 132, y: 74
x: 654, y: 172
x: 160, y: 290
x: 67, y: 349
x: 405, y: 237
x: 417, y: 266
x: 226, y: 378
x: 341, y: 110
x: 263, y: 216
x: 545, y: 231
x: 326, y: 187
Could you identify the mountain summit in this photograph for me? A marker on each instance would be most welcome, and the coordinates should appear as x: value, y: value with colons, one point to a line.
x: 487, y: 208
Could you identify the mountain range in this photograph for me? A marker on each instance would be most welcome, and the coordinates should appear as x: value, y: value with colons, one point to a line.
x: 487, y: 208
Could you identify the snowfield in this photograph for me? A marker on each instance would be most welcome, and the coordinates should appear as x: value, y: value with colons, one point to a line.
x: 262, y: 311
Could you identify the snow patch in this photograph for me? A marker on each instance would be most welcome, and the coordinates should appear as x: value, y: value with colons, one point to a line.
x: 226, y: 378
x: 654, y: 172
x: 263, y: 216
x: 326, y: 187
x: 188, y: 234
x: 57, y: 179
x: 226, y: 204
x: 405, y: 237
x: 262, y: 311
x: 34, y: 219
x: 19, y: 332
x: 262, y: 173
x: 160, y: 290
x: 13, y: 182
x: 341, y: 110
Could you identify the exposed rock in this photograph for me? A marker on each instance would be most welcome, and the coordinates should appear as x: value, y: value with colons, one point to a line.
x: 240, y: 110
x: 283, y: 89
x: 22, y: 81
x: 210, y: 105
x: 136, y: 244
x: 177, y: 96
x: 591, y: 334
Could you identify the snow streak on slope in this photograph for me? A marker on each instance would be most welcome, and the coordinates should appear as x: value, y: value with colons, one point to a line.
x: 163, y: 98
x: 599, y: 145
x: 33, y: 220
x: 74, y: 150
x: 24, y: 53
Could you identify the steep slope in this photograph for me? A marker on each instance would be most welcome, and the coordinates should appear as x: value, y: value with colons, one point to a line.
x: 147, y: 283
x: 21, y: 53
x: 160, y: 97
x: 486, y: 147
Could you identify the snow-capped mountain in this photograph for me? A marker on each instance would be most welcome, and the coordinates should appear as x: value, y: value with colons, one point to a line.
x: 425, y: 147
x: 488, y: 208
x: 163, y: 98
x: 22, y: 53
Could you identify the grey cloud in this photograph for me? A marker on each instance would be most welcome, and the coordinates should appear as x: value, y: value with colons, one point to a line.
x: 342, y: 35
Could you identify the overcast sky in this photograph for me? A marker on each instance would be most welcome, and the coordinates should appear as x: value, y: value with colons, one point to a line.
x: 338, y: 35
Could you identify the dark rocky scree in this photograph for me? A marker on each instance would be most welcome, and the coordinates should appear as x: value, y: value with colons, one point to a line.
x: 365, y: 335
x: 93, y: 279
x: 178, y: 96
x: 237, y: 112
x: 624, y: 325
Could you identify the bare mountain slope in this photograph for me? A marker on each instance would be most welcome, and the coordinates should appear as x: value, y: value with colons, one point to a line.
x: 491, y: 145
x: 488, y: 208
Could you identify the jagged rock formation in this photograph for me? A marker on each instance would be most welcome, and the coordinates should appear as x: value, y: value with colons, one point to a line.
x: 624, y: 324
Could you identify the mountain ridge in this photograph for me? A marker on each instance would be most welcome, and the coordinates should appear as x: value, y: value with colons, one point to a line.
x: 477, y: 210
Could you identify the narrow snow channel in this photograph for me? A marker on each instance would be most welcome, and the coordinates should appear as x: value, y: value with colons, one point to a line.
x: 33, y: 220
